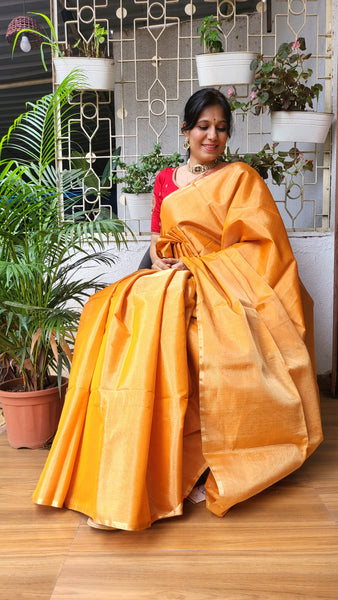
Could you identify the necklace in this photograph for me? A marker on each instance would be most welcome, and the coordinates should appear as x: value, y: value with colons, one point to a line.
x: 196, y: 169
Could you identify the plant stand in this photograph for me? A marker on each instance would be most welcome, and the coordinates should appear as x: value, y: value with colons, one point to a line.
x: 31, y: 417
x: 300, y: 126
x: 224, y: 68
x: 100, y: 72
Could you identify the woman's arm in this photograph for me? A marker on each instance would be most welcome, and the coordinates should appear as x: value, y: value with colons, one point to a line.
x: 159, y: 263
x: 153, y: 242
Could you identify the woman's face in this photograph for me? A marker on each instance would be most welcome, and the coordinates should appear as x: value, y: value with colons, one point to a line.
x: 208, y: 137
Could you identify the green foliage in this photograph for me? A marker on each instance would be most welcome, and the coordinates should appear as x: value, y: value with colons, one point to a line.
x: 210, y: 33
x: 139, y: 178
x: 95, y: 47
x: 50, y: 41
x: 43, y: 256
x: 271, y: 161
x: 280, y: 83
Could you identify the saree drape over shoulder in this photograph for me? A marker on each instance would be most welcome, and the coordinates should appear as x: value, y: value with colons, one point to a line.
x: 176, y: 371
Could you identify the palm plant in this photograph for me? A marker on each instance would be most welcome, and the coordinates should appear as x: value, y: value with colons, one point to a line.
x: 42, y: 256
x: 50, y: 41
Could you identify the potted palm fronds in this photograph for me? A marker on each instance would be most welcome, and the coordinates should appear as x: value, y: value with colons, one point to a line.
x: 89, y: 55
x: 42, y: 260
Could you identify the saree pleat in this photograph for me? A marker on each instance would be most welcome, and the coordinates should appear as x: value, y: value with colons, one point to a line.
x: 176, y: 371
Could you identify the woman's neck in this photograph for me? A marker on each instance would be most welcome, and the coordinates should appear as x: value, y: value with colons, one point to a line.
x: 182, y: 176
x: 198, y: 168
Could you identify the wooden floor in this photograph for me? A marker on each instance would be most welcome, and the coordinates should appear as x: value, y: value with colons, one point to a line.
x: 280, y: 545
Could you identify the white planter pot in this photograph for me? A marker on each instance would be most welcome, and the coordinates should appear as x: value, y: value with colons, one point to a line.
x: 224, y: 68
x: 100, y: 72
x: 138, y: 205
x: 300, y: 126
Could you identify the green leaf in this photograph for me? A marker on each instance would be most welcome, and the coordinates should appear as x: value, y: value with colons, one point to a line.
x: 264, y: 98
x: 39, y: 275
x: 283, y: 51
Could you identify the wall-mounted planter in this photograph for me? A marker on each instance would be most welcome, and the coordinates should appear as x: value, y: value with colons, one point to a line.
x: 138, y: 205
x: 100, y: 72
x: 224, y: 68
x: 300, y: 126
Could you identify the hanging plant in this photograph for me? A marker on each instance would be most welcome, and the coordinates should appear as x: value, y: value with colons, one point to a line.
x: 281, y: 83
x: 270, y: 161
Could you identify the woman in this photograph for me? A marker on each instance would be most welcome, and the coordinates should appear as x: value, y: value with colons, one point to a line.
x: 204, y: 146
x: 206, y: 128
x: 202, y: 362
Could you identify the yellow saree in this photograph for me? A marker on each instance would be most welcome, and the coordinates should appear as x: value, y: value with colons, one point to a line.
x: 175, y: 371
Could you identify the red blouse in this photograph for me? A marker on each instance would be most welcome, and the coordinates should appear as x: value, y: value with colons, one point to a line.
x: 164, y: 185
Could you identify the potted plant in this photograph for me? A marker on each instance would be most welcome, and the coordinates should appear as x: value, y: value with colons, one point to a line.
x: 138, y: 180
x: 42, y: 257
x: 87, y: 55
x: 281, y: 85
x: 271, y: 161
x: 217, y: 67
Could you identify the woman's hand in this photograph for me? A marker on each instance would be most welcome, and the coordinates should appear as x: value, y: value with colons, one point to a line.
x: 161, y: 264
x: 179, y: 265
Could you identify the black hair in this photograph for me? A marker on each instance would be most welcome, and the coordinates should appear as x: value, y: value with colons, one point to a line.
x: 202, y: 99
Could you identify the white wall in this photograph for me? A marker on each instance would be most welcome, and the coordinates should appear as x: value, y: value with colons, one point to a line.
x: 314, y: 255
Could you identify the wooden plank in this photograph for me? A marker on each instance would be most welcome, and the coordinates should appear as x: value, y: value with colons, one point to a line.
x: 200, y: 576
x: 283, y: 543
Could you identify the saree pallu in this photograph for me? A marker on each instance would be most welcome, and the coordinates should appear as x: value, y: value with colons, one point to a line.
x: 177, y: 371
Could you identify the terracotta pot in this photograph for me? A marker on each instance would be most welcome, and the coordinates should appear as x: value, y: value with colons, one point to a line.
x: 31, y: 417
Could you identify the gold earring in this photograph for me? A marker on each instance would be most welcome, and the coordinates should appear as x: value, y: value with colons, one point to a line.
x: 186, y: 144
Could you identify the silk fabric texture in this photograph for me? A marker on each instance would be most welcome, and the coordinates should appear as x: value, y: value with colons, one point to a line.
x: 175, y: 371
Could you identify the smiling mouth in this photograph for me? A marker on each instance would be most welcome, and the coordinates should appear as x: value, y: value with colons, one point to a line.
x: 206, y: 147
